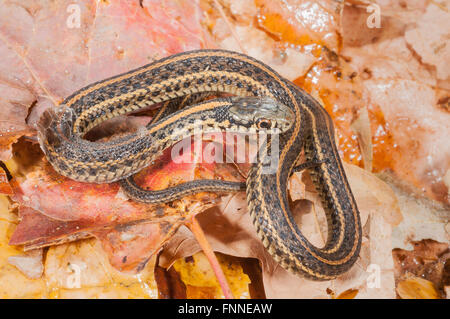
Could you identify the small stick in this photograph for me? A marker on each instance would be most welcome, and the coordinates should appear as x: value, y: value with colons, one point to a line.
x: 195, y: 228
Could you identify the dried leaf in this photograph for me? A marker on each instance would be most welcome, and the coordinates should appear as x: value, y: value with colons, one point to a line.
x: 53, y: 209
x: 197, y: 231
x: 25, y: 80
x: 416, y: 288
x: 130, y: 232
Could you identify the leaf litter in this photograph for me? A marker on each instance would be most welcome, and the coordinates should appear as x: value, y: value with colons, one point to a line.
x: 129, y: 235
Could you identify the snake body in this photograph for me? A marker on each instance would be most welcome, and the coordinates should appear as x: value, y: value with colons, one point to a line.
x: 105, y: 162
x: 229, y: 72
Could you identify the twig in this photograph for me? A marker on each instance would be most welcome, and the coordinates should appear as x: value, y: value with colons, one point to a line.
x: 195, y: 228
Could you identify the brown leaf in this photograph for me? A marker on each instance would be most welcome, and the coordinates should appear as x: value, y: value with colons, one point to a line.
x: 169, y: 283
x: 415, y: 114
x: 381, y: 70
x: 245, y: 38
x: 13, y: 283
x: 427, y: 260
x: 36, y: 230
x: 374, y: 194
x: 10, y: 134
x: 65, y: 210
x: 355, y: 28
x: 130, y: 247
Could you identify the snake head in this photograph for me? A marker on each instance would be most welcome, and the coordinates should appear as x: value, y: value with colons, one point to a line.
x: 261, y: 113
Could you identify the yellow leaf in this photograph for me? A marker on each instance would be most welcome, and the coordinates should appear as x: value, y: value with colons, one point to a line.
x: 348, y: 294
x: 417, y: 288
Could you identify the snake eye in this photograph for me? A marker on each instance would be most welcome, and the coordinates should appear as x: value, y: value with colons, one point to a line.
x: 264, y: 124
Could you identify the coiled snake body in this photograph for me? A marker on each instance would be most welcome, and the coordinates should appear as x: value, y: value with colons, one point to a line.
x: 200, y: 71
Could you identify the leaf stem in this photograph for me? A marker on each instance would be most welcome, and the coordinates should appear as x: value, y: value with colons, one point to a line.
x: 196, y: 229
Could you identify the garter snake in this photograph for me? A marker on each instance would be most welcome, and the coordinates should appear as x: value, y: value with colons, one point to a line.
x: 105, y: 162
x: 225, y: 71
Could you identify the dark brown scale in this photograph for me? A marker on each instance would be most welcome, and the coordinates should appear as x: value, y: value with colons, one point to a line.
x: 164, y: 76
